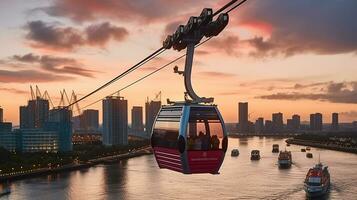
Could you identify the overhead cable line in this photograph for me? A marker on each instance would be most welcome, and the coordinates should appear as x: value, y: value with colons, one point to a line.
x: 145, y: 60
x: 147, y: 75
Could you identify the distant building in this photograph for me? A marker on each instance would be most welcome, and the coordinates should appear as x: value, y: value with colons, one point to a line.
x: 316, y: 122
x: 296, y: 122
x: 115, y: 121
x: 137, y: 124
x: 89, y: 120
x: 35, y: 114
x: 37, y: 140
x: 268, y: 126
x: 5, y: 126
x: 152, y: 108
x: 24, y: 117
x: 278, y: 123
x: 289, y: 124
x: 243, y: 125
x: 259, y: 125
x: 30, y: 140
x: 60, y: 121
x: 1, y: 115
x: 335, y: 125
x: 87, y: 138
x: 8, y: 140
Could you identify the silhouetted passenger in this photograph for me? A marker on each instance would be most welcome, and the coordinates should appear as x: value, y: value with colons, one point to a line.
x: 205, y: 142
x: 215, y: 142
x: 191, y: 143
x: 198, y: 143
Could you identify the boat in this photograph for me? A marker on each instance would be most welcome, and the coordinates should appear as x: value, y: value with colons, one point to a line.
x: 275, y: 148
x: 255, y: 155
x: 308, y: 148
x: 309, y: 155
x: 303, y: 150
x: 317, y: 181
x: 235, y: 153
x: 285, y: 159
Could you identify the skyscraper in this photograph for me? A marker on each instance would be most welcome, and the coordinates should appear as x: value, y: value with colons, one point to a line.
x: 259, y: 125
x: 35, y: 114
x: 60, y: 120
x: 296, y: 122
x: 152, y: 108
x: 335, y: 125
x: 137, y: 119
x: 243, y: 117
x: 24, y: 117
x: 1, y: 115
x: 89, y: 120
x: 115, y: 121
x: 316, y: 122
x: 278, y: 123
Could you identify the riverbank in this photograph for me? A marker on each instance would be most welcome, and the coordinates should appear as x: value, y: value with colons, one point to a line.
x: 71, y: 167
x: 321, y: 144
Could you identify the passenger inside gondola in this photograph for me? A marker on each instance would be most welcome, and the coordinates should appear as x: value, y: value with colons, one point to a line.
x: 214, y: 142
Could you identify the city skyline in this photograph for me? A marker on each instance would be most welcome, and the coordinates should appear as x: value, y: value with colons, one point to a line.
x: 257, y: 63
x: 153, y: 106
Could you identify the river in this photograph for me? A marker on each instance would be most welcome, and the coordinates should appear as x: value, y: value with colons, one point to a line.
x: 239, y: 178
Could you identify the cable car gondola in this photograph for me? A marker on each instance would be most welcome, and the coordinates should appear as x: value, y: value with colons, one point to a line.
x: 190, y: 136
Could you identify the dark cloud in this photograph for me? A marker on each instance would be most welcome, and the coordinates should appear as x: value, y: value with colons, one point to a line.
x: 229, y: 44
x: 30, y: 76
x: 44, y: 35
x: 344, y: 92
x: 304, y: 26
x: 100, y: 34
x: 53, y: 36
x: 58, y: 65
x: 124, y: 10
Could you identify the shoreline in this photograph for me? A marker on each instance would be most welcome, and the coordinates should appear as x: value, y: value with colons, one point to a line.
x: 321, y: 145
x: 72, y: 167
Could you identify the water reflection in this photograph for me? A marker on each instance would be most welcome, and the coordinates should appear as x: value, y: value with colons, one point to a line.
x: 240, y: 178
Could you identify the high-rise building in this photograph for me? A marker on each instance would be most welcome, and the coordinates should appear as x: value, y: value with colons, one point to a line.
x: 1, y: 115
x: 137, y: 124
x: 24, y: 117
x: 296, y: 122
x: 268, y: 126
x: 60, y: 121
x: 312, y: 122
x: 259, y: 125
x: 278, y: 123
x: 89, y: 120
x: 152, y: 108
x: 115, y: 121
x: 35, y: 114
x: 335, y: 125
x: 316, y: 122
x: 289, y: 124
x: 243, y: 125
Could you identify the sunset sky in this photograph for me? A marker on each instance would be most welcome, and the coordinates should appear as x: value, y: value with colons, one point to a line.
x: 280, y: 56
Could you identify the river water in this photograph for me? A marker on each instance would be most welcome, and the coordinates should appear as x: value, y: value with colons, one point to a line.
x: 239, y: 178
